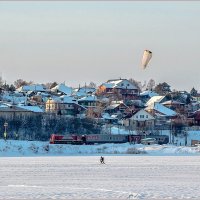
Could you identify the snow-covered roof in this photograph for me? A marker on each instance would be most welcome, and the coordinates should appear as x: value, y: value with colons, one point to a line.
x: 87, y: 89
x: 149, y: 93
x: 109, y: 85
x: 154, y: 99
x: 107, y: 116
x: 114, y: 116
x: 162, y: 109
x: 13, y: 98
x: 119, y: 83
x: 10, y: 107
x: 81, y: 92
x: 26, y: 88
x: 32, y: 108
x: 3, y: 106
x: 63, y: 99
x: 62, y: 88
x: 68, y: 99
x: 89, y: 98
x: 172, y: 102
x: 114, y: 105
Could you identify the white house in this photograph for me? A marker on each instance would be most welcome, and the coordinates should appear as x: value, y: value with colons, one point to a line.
x: 141, y: 120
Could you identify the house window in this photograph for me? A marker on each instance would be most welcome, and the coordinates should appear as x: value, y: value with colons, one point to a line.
x: 136, y: 116
x: 146, y: 116
x: 122, y: 84
x: 141, y: 116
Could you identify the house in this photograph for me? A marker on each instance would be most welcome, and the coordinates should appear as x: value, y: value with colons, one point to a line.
x: 64, y: 105
x: 17, y: 111
x: 196, y: 117
x: 175, y: 105
x: 116, y: 107
x: 62, y: 89
x: 159, y: 109
x: 196, y: 97
x: 118, y: 89
x: 140, y: 120
x: 83, y: 92
x: 109, y: 118
x: 193, y: 106
x: 88, y: 101
x: 161, y: 113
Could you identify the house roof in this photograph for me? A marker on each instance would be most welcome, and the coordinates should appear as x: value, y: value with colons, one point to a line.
x: 62, y: 99
x: 161, y: 109
x: 62, y: 88
x: 149, y: 93
x: 84, y: 91
x: 107, y: 116
x: 143, y: 112
x: 35, y: 109
x: 172, y: 102
x: 120, y: 83
x: 154, y: 99
x: 89, y: 98
x: 26, y: 88
x: 68, y: 99
x: 20, y: 108
x: 115, y: 105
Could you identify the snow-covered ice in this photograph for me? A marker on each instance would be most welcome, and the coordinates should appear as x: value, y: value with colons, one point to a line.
x: 83, y: 177
x: 30, y: 170
x: 35, y: 148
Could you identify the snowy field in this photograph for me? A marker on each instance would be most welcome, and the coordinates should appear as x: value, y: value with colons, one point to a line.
x: 82, y: 177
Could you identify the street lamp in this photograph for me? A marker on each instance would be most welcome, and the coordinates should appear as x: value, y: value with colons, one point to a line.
x: 170, y: 138
x: 5, y: 127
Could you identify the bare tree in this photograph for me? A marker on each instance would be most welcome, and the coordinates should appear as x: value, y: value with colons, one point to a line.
x: 19, y: 82
x: 151, y: 84
x: 53, y: 84
x: 1, y: 81
x: 136, y: 83
x: 92, y: 85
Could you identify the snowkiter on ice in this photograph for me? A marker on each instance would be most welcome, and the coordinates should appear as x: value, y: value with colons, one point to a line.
x: 102, y: 160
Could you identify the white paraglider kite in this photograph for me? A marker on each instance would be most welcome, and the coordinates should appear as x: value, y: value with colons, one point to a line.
x: 146, y: 58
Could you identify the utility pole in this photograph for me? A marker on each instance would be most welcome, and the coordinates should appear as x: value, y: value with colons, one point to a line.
x: 185, y: 138
x: 5, y: 133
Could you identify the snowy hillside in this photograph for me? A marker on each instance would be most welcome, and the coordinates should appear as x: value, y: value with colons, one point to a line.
x: 35, y: 148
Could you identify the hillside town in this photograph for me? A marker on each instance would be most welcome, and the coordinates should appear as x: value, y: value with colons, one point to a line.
x: 35, y: 111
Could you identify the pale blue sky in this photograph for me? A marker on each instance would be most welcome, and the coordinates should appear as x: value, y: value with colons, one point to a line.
x: 79, y: 42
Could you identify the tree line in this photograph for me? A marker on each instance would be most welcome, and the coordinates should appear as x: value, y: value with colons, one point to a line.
x: 40, y: 127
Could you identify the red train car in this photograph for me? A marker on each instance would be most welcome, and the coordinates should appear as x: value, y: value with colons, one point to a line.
x: 65, y: 139
x: 94, y: 139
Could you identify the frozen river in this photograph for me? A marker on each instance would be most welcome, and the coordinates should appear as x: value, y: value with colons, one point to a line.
x: 122, y: 177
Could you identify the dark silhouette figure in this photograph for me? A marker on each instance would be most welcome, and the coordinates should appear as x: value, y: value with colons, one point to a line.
x: 102, y: 160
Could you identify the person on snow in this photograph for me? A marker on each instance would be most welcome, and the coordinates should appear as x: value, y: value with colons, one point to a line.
x: 102, y: 160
